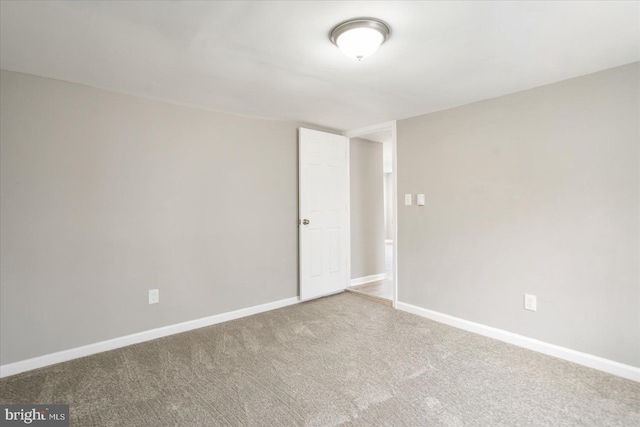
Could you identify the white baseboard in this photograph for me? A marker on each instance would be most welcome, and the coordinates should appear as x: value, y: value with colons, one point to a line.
x: 112, y: 344
x: 589, y: 360
x: 367, y: 279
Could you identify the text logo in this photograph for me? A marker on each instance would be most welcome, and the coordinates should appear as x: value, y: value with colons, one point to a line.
x: 34, y: 415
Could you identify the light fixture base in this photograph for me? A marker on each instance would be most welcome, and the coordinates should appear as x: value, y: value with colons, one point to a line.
x: 373, y: 23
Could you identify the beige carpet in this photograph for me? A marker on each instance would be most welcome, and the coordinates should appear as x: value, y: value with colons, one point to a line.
x: 341, y: 360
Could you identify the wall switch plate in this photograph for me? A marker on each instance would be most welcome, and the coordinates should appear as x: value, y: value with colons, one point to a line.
x: 407, y: 199
x: 420, y: 200
x: 530, y: 302
x: 154, y: 296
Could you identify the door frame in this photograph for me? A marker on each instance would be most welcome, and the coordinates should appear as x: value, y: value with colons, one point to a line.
x: 391, y: 126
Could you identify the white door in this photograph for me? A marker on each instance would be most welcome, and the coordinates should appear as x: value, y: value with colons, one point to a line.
x: 324, y: 218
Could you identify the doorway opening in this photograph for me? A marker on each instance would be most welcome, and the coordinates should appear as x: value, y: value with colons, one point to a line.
x: 372, y: 212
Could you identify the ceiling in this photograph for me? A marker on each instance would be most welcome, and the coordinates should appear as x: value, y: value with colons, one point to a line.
x: 274, y: 59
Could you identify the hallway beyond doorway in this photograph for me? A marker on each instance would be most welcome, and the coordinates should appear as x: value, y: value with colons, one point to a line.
x: 381, y: 289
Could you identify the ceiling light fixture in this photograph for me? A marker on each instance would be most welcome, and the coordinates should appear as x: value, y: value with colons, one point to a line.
x: 359, y: 38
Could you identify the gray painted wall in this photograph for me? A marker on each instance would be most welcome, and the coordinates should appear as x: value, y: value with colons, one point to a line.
x: 388, y: 206
x: 105, y: 196
x: 367, y: 208
x: 533, y: 192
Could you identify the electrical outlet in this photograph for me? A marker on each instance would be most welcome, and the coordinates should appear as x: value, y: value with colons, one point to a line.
x: 530, y: 302
x: 154, y: 296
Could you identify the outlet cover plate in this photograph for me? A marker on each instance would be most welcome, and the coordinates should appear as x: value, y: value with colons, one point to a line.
x: 154, y: 296
x: 530, y: 302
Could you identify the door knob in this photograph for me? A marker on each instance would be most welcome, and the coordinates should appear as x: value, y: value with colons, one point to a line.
x: 305, y: 221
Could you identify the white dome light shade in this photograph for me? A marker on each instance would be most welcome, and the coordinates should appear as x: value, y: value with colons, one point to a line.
x: 360, y: 38
x: 359, y: 42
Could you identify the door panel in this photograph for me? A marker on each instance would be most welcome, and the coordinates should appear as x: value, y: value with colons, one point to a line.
x: 323, y: 184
